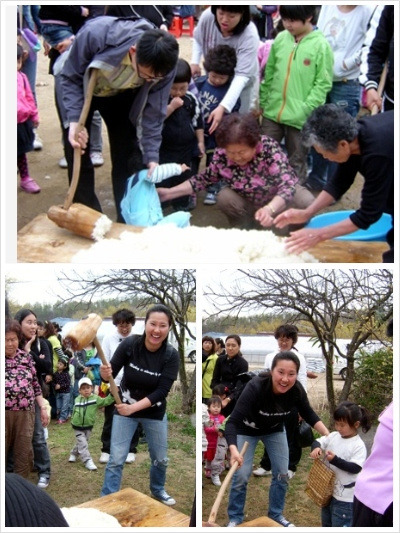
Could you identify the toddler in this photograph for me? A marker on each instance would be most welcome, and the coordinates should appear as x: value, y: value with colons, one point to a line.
x: 83, y: 418
x: 211, y: 427
x: 346, y: 453
x: 220, y: 63
x: 62, y: 387
x: 27, y: 120
x: 183, y: 133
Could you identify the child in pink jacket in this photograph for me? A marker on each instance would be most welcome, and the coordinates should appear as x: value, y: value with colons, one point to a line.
x: 27, y: 119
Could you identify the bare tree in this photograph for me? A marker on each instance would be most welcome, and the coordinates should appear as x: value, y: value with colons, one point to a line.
x: 174, y: 288
x: 321, y: 299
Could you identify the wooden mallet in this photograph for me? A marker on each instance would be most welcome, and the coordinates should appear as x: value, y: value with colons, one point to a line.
x: 78, y: 218
x: 82, y: 334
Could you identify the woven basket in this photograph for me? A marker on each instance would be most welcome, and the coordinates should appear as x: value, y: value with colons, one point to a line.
x: 320, y: 483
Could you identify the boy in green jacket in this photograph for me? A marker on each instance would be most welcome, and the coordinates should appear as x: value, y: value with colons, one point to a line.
x: 298, y: 77
x: 83, y: 419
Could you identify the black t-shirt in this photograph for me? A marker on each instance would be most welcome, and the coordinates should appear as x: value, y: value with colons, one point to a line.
x: 258, y: 411
x: 146, y: 374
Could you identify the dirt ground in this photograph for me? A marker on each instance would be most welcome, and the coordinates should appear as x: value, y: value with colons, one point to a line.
x: 43, y: 165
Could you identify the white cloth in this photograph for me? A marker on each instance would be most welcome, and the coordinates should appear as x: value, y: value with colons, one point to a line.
x: 352, y: 450
x: 301, y: 376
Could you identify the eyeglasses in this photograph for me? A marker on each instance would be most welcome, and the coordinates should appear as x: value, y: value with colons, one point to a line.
x: 148, y: 77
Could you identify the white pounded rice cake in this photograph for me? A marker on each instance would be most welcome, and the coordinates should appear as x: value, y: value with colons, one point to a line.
x: 88, y: 517
x: 167, y: 243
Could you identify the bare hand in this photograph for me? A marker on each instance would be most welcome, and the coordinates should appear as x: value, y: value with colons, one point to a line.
x: 329, y: 455
x: 44, y: 417
x: 184, y: 167
x: 302, y: 240
x: 28, y: 345
x: 78, y: 139
x: 124, y: 409
x: 196, y: 70
x: 176, y: 102
x: 215, y: 118
x: 236, y: 458
x: 105, y: 372
x: 291, y: 216
x: 151, y: 167
x: 263, y: 216
x: 373, y: 99
x: 316, y: 453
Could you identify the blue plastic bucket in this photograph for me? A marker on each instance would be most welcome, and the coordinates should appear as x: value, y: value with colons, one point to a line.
x: 376, y: 232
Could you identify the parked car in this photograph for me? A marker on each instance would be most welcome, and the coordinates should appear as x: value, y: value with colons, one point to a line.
x: 340, y: 364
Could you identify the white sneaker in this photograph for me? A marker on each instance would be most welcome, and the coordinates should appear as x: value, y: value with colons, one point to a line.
x: 104, y: 457
x: 90, y: 465
x: 37, y: 141
x: 97, y: 159
x: 163, y: 497
x: 72, y: 458
x: 131, y: 457
x: 231, y: 523
x: 43, y: 482
x: 215, y: 480
x: 259, y: 472
x: 290, y: 474
x: 63, y: 163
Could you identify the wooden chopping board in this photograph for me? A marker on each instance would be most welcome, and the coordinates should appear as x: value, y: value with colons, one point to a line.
x: 134, y: 509
x: 42, y: 241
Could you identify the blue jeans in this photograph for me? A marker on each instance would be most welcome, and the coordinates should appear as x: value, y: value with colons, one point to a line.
x: 123, y: 429
x: 346, y: 96
x: 41, y: 455
x: 277, y: 448
x: 54, y: 34
x: 62, y: 400
x: 337, y: 514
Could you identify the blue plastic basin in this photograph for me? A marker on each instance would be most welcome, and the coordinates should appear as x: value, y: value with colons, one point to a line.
x: 376, y: 232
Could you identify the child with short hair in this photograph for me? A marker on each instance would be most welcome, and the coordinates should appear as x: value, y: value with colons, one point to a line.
x: 345, y: 453
x: 27, y: 120
x: 298, y: 77
x: 62, y: 387
x: 83, y: 418
x: 220, y: 63
x: 183, y: 132
x: 211, y: 428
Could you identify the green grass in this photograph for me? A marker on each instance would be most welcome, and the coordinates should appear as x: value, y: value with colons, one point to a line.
x: 72, y: 484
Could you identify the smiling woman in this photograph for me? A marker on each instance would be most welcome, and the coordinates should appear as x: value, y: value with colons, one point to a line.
x: 150, y: 366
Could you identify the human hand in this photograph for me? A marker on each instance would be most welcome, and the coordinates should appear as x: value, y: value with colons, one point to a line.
x: 215, y: 118
x: 151, y: 167
x: 202, y: 148
x: 125, y: 409
x: 64, y: 45
x: 28, y: 344
x: 302, y: 240
x: 329, y: 455
x: 373, y: 99
x: 57, y: 387
x: 84, y: 11
x: 291, y: 216
x: 184, y: 167
x: 264, y: 217
x: 317, y: 452
x: 105, y: 372
x: 236, y: 458
x: 44, y: 417
x: 176, y: 103
x: 164, y: 27
x: 78, y: 137
x: 196, y: 70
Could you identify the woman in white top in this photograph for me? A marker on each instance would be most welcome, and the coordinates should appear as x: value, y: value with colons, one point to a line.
x: 230, y: 25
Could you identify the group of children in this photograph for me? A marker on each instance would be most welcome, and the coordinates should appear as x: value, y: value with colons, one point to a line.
x: 342, y: 450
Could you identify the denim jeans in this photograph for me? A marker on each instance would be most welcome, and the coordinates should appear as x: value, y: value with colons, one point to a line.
x: 123, y: 429
x: 55, y: 33
x: 277, y: 447
x: 96, y: 140
x: 62, y: 400
x: 41, y: 454
x: 337, y: 514
x: 346, y: 95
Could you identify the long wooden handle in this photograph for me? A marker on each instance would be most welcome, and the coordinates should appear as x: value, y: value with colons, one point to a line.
x: 381, y: 87
x: 113, y: 386
x: 214, y: 510
x: 77, y: 151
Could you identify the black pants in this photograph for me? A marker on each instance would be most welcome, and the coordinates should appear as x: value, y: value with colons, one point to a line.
x: 126, y: 156
x: 295, y: 451
x: 363, y: 516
